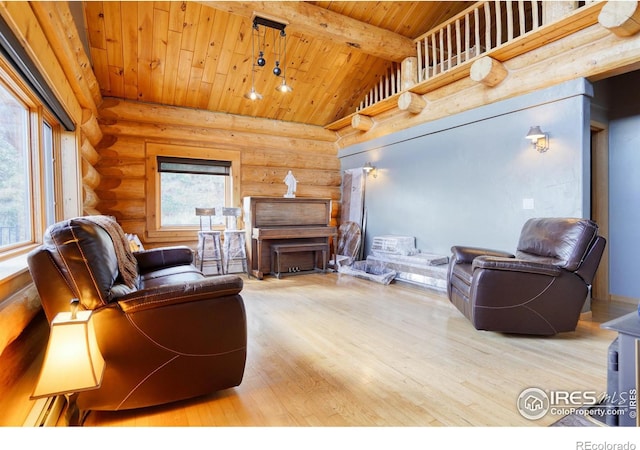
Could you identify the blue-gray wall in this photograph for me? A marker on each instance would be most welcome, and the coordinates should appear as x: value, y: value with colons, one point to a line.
x: 463, y: 179
x: 621, y: 98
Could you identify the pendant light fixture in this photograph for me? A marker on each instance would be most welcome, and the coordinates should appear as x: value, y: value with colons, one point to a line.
x: 280, y: 49
x: 260, y: 61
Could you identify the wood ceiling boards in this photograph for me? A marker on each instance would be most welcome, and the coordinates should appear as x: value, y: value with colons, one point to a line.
x: 199, y: 54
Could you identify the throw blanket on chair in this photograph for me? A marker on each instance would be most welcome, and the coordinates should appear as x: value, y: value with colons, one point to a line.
x: 127, y: 263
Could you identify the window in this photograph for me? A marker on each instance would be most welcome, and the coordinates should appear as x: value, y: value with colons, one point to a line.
x: 182, y: 178
x: 49, y: 160
x: 15, y: 172
x: 28, y: 183
x: 205, y: 181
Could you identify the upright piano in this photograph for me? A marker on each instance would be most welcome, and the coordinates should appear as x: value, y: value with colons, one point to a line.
x: 278, y: 220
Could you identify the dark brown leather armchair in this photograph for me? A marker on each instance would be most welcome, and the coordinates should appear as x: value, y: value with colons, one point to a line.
x: 540, y: 290
x: 171, y: 334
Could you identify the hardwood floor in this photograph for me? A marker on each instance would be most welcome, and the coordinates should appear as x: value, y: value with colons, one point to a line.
x: 333, y: 350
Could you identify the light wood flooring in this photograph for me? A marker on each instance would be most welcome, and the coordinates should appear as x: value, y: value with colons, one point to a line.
x: 333, y: 350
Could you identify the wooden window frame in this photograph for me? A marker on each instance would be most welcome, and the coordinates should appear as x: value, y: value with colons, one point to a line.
x: 155, y: 232
x: 36, y: 116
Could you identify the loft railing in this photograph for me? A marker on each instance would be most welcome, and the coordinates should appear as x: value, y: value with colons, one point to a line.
x: 472, y: 33
x: 483, y: 27
x: 389, y: 85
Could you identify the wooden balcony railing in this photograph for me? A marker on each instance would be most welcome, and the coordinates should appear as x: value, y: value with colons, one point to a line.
x: 474, y: 32
x: 389, y: 85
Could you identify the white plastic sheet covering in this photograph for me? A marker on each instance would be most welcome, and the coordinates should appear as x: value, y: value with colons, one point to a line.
x: 367, y: 271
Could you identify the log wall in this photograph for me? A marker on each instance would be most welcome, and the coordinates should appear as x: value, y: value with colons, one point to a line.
x: 268, y: 150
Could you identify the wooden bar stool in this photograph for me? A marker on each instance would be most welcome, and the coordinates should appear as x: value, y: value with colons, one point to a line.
x: 209, y: 246
x: 234, y: 240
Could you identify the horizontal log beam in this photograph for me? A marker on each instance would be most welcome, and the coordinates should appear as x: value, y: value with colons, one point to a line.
x: 321, y: 23
x: 60, y: 28
x: 90, y: 175
x: 90, y: 198
x: 123, y: 209
x: 362, y: 123
x: 90, y: 127
x: 27, y: 29
x: 594, y: 52
x: 114, y: 110
x: 621, y: 18
x: 275, y: 175
x: 278, y: 190
x: 223, y: 139
x: 488, y: 71
x: 88, y: 152
x: 409, y: 101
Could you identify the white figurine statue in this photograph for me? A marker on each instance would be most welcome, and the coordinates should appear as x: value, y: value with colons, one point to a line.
x: 291, y: 183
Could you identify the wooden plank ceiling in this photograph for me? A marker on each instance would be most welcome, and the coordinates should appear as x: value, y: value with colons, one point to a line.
x: 199, y: 54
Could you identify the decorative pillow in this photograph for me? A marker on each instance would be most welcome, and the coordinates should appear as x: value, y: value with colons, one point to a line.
x: 134, y: 242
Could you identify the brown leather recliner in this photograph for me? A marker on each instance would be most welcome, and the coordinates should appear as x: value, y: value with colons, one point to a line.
x: 540, y: 290
x: 174, y: 334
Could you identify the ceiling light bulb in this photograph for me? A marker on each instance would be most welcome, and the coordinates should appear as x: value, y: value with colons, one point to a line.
x: 284, y: 87
x: 253, y: 95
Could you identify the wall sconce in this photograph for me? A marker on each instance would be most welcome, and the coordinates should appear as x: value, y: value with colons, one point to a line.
x: 72, y: 362
x: 370, y: 169
x: 539, y: 139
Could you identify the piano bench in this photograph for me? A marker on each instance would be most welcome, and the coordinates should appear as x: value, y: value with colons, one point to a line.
x: 280, y: 249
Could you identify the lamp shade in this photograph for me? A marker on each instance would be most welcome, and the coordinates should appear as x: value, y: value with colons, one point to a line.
x: 284, y: 87
x: 72, y: 362
x: 253, y: 95
x: 535, y: 133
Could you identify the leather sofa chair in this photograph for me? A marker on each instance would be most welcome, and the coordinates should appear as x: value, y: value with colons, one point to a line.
x: 540, y: 290
x: 172, y: 334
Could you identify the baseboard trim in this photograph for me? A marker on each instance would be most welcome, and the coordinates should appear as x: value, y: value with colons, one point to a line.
x: 45, y: 412
x: 621, y: 299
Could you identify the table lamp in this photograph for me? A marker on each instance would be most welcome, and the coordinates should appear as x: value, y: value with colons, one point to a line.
x: 72, y: 362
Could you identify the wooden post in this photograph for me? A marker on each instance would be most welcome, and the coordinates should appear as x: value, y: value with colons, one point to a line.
x: 409, y: 72
x: 552, y: 11
x: 412, y: 102
x: 363, y: 123
x: 621, y: 18
x: 488, y: 71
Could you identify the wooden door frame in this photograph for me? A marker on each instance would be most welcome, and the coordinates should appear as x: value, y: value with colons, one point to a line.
x: 600, y: 203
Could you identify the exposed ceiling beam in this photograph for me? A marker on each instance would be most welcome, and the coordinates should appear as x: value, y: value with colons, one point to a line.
x: 315, y: 21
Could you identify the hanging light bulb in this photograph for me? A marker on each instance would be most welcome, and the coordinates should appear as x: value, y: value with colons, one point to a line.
x: 284, y: 87
x: 276, y: 70
x: 253, y: 95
